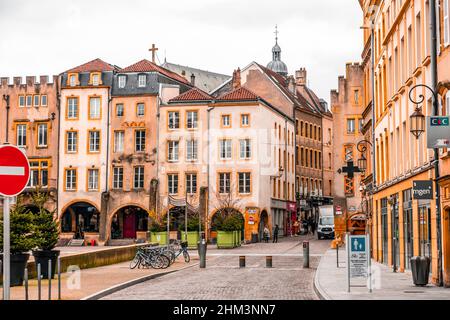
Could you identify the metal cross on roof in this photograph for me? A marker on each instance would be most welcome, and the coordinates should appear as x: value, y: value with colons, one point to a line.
x: 276, y: 33
x: 153, y: 49
x: 350, y: 169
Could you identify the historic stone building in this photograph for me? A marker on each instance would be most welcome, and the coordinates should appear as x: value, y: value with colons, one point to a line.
x: 29, y: 118
x: 347, y: 107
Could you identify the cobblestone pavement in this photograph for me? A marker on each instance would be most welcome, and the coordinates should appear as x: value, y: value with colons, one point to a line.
x: 224, y: 280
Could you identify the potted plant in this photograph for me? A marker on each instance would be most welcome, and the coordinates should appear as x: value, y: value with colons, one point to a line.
x: 22, y: 240
x: 46, y: 233
x: 158, y: 232
x: 193, y: 236
x: 228, y: 233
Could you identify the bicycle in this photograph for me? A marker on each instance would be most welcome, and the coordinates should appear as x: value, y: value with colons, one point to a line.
x: 146, y: 257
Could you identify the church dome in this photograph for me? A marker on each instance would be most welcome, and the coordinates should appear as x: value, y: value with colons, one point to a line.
x: 276, y: 65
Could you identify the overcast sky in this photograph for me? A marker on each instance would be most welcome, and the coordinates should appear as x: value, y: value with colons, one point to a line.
x: 49, y: 36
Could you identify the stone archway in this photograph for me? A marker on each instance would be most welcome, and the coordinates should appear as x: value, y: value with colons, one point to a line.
x: 216, y: 219
x: 263, y: 222
x: 80, y: 217
x: 128, y: 222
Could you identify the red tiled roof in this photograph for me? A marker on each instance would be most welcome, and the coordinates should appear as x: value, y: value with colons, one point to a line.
x: 147, y: 66
x: 195, y: 94
x: 94, y: 65
x: 240, y: 93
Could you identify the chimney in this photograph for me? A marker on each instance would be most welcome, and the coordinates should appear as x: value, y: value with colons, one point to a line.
x: 300, y: 77
x: 237, y: 78
x: 193, y: 79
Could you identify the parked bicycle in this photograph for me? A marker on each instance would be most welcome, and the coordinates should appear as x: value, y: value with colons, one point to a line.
x: 150, y: 257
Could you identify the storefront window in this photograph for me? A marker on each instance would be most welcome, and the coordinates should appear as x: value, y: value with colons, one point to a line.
x: 395, y: 229
x: 384, y: 229
x: 425, y: 228
x: 408, y: 227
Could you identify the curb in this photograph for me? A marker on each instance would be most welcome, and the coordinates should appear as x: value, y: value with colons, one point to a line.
x: 124, y: 285
x: 320, y: 292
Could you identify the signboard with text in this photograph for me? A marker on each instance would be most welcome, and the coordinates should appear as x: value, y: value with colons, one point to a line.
x: 423, y: 190
x: 438, y: 132
x: 358, y: 256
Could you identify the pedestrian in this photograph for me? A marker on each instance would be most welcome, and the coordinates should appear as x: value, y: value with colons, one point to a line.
x: 266, y: 234
x: 313, y: 226
x: 275, y: 234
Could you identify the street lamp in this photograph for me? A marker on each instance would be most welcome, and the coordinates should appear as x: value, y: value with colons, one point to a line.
x: 362, y: 148
x: 417, y: 119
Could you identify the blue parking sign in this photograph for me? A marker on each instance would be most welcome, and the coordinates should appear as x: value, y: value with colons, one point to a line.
x: 358, y: 244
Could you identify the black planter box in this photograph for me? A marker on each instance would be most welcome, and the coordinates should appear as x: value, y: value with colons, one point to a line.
x: 17, y: 269
x: 41, y: 257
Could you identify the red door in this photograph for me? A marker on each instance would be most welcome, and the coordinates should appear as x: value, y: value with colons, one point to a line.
x: 129, y: 226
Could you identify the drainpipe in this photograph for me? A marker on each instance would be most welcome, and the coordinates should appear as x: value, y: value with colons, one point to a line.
x: 58, y: 109
x: 434, y: 77
x: 6, y: 98
x: 285, y: 171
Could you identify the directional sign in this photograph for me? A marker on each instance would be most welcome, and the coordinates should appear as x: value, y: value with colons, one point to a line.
x: 358, y: 256
x: 14, y: 171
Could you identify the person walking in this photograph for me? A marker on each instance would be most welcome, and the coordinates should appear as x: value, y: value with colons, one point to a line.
x: 275, y: 234
x: 313, y: 226
x: 266, y: 233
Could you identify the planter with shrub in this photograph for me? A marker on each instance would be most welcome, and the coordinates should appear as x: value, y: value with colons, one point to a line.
x: 227, y: 236
x: 21, y: 238
x: 193, y: 236
x: 158, y: 233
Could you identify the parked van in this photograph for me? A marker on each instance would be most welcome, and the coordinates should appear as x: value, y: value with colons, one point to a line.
x: 325, y: 227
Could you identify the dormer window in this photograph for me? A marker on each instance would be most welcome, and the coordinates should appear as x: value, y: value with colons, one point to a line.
x: 95, y: 79
x: 72, y: 80
x: 122, y: 81
x: 142, y: 79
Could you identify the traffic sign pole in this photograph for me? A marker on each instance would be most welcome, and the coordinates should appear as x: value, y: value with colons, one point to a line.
x: 6, y: 249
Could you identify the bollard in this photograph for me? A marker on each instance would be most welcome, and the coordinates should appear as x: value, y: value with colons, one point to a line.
x: 305, y: 254
x: 49, y: 279
x: 269, y: 262
x: 59, y: 278
x: 39, y: 280
x: 202, y: 247
x: 337, y: 254
x: 242, y: 262
x: 26, y: 283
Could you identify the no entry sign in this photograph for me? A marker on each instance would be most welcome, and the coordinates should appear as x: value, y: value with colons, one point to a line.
x: 14, y: 171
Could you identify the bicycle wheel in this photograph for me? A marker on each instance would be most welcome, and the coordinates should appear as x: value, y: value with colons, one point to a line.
x: 171, y: 255
x: 165, y: 262
x: 135, y: 262
x: 186, y: 256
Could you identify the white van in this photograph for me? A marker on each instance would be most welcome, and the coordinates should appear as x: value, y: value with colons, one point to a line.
x: 325, y: 227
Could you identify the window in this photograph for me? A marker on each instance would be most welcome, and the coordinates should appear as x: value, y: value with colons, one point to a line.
x: 245, y: 149
x: 245, y: 120
x: 225, y: 149
x: 122, y: 81
x: 224, y: 183
x: 21, y: 101
x: 38, y: 173
x: 191, y: 183
x: 226, y: 121
x: 192, y: 119
x: 174, y: 120
x: 95, y: 79
x: 21, y: 131
x: 350, y: 126
x: 446, y: 23
x: 29, y: 100
x: 72, y: 80
x: 356, y: 97
x: 72, y: 108
x: 142, y: 79
x: 138, y: 177
x: 119, y: 110
x: 191, y: 150
x: 140, y: 109
x: 71, y: 179
x: 117, y: 178
x: 94, y: 108
x: 244, y: 182
x: 92, y: 180
x: 139, y: 140
x: 118, y: 141
x: 42, y: 135
x: 71, y: 141
x: 94, y: 141
x: 349, y: 186
x: 172, y: 180
x: 173, y: 150
x: 36, y: 99
x: 44, y: 100
x: 360, y: 125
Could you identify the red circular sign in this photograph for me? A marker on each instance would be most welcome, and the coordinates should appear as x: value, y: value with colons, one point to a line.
x: 14, y: 170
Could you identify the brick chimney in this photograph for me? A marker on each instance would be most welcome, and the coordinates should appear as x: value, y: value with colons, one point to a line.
x: 193, y: 79
x: 300, y: 77
x: 237, y: 78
